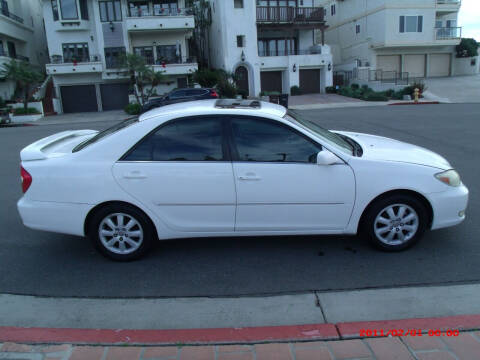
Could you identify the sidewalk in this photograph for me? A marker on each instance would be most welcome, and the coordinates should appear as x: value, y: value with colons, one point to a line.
x: 465, y: 346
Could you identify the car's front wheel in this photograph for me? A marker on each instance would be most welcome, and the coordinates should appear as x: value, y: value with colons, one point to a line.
x: 395, y: 223
x: 121, y: 233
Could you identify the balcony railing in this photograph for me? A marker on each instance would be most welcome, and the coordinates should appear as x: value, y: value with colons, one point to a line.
x: 161, y: 12
x: 289, y: 52
x: 58, y: 59
x: 289, y: 14
x: 449, y: 2
x: 4, y: 11
x: 116, y: 62
x: 448, y: 33
x: 18, y: 57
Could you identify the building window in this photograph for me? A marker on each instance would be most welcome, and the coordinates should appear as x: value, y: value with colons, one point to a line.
x: 240, y: 41
x: 277, y: 47
x: 238, y: 4
x: 75, y: 52
x: 69, y: 9
x: 146, y: 52
x: 357, y: 29
x: 165, y: 7
x: 114, y: 57
x: 411, y: 24
x: 83, y: 9
x: 110, y: 10
x: 55, y: 10
x: 138, y: 8
x: 169, y: 54
x: 332, y: 9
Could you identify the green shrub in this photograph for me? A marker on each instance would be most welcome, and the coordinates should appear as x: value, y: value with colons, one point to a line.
x: 226, y: 89
x: 375, y: 96
x: 467, y: 48
x: 243, y: 92
x: 295, y: 90
x: 22, y: 111
x: 207, y: 77
x: 331, y: 90
x: 410, y: 90
x: 133, y: 109
x: 2, y: 103
x: 389, y: 93
x: 397, y: 95
x: 355, y: 86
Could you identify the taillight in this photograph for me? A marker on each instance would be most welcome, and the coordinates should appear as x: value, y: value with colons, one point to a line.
x: 26, y: 179
x: 213, y: 93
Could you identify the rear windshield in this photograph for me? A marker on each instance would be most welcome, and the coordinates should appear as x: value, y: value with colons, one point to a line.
x: 106, y: 132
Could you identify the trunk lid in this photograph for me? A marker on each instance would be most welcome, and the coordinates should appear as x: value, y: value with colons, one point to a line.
x: 55, y: 145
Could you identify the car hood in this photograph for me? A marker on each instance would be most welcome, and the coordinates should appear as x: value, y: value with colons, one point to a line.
x: 382, y: 148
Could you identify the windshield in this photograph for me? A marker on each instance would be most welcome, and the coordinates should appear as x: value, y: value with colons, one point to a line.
x: 331, y: 137
x: 105, y: 132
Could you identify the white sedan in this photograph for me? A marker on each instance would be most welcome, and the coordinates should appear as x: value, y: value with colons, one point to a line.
x: 227, y: 168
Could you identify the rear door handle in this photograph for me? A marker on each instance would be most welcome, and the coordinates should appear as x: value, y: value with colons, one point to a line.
x: 249, y: 178
x: 134, y: 175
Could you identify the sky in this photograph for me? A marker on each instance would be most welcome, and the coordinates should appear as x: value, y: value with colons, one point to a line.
x: 469, y: 19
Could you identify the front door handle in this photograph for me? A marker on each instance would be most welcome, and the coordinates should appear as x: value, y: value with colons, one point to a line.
x: 134, y: 175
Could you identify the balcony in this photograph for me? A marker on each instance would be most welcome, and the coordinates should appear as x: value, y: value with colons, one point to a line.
x: 448, y: 6
x: 317, y: 50
x: 5, y: 12
x: 7, y: 58
x: 315, y: 56
x: 174, y: 66
x: 448, y: 33
x: 61, y: 65
x: 161, y: 19
x: 290, y: 15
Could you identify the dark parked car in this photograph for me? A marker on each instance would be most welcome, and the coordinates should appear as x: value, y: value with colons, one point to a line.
x: 180, y: 95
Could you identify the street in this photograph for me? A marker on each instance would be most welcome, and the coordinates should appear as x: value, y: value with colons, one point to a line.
x: 47, y: 264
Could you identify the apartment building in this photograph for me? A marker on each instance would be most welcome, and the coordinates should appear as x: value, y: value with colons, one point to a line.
x: 417, y: 37
x: 270, y: 44
x: 22, y: 37
x: 86, y: 39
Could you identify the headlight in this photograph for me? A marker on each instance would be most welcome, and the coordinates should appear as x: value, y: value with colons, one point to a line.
x: 449, y: 177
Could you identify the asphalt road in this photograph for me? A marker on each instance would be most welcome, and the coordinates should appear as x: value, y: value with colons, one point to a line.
x: 41, y: 263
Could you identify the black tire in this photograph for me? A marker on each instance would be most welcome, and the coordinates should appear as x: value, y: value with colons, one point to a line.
x: 144, y: 225
x: 368, y: 224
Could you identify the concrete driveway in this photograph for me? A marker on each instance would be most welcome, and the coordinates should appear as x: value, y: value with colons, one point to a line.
x: 456, y: 89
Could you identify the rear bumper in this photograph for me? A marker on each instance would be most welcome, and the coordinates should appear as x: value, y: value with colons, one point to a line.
x: 449, y: 207
x: 62, y: 218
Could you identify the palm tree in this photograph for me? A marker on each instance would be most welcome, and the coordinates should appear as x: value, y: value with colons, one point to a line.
x: 143, y: 77
x: 24, y: 76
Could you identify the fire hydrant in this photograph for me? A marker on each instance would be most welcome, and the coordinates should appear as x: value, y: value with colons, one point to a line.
x: 416, y: 94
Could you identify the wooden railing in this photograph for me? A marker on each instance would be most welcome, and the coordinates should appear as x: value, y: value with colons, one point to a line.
x: 289, y: 14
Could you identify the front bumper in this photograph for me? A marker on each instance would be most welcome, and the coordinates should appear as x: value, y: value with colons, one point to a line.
x: 62, y: 218
x: 449, y: 206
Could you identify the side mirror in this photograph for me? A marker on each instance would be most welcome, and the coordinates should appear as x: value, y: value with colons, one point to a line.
x: 325, y: 157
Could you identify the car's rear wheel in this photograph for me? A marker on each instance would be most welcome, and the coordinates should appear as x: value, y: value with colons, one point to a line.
x: 395, y: 223
x: 121, y: 233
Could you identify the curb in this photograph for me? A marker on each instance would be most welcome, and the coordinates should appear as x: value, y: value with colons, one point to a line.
x: 418, y: 103
x: 298, y: 333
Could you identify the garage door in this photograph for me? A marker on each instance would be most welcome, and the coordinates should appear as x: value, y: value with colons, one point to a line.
x: 439, y: 65
x: 271, y: 81
x: 310, y: 81
x: 415, y: 65
x: 79, y: 98
x: 388, y: 63
x: 114, y: 96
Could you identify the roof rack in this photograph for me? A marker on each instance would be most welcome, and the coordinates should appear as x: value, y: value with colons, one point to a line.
x: 237, y: 104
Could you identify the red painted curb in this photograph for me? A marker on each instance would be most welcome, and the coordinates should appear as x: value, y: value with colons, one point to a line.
x: 461, y: 322
x: 236, y: 335
x: 419, y: 103
x: 190, y: 336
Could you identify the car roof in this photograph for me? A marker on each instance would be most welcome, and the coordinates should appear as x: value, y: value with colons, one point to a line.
x: 205, y: 107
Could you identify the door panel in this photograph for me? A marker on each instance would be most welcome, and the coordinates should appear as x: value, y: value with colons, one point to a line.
x: 388, y: 63
x: 439, y: 65
x: 182, y: 174
x: 293, y: 196
x: 271, y: 81
x: 114, y: 96
x: 185, y: 196
x: 415, y: 65
x: 279, y: 185
x: 79, y: 98
x: 310, y: 81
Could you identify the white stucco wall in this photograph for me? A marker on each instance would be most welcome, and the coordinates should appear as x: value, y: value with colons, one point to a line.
x: 463, y: 66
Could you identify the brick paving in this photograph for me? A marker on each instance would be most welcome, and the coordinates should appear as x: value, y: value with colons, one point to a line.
x: 463, y: 347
